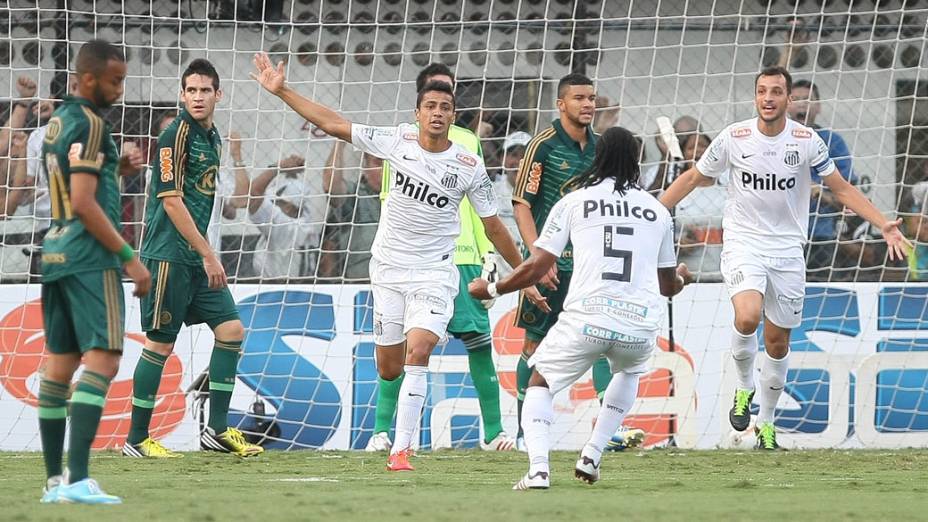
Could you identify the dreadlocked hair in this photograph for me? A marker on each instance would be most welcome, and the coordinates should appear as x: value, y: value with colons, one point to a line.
x: 616, y: 158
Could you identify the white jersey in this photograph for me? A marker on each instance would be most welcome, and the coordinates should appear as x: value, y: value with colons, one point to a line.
x: 619, y: 242
x: 767, y: 210
x: 419, y: 221
x: 225, y: 187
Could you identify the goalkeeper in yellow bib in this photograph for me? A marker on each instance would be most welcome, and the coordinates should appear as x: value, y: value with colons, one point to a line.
x: 189, y: 281
x: 470, y: 322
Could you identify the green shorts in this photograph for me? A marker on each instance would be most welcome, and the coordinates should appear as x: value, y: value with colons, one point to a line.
x: 535, y: 322
x: 181, y: 295
x: 84, y: 311
x: 469, y: 314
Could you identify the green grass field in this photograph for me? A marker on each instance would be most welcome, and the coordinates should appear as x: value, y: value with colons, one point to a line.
x: 467, y: 485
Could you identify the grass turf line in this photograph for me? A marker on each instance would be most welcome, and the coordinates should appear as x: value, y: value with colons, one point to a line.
x: 473, y: 485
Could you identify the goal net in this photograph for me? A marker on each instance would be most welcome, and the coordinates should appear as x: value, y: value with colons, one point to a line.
x: 859, y: 374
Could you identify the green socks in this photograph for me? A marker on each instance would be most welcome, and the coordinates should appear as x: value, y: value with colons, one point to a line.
x: 483, y: 374
x: 86, y: 408
x: 145, y: 385
x: 602, y: 376
x: 223, y: 364
x: 388, y: 393
x: 53, y: 418
x: 523, y: 374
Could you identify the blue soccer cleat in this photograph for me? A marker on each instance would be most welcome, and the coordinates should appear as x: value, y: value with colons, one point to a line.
x: 624, y: 438
x: 86, y: 491
x: 50, y: 493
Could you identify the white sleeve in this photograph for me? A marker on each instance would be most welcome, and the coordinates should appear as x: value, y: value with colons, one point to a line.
x: 819, y: 160
x: 715, y: 162
x: 556, y: 232
x: 482, y: 195
x: 34, y: 156
x: 376, y: 141
x: 667, y: 258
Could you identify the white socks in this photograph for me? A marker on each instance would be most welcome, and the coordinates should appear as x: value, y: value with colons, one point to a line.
x: 772, y: 380
x: 618, y: 398
x: 409, y: 405
x: 537, y: 415
x: 743, y: 351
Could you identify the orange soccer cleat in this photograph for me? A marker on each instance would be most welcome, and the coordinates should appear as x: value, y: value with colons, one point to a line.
x: 400, y: 461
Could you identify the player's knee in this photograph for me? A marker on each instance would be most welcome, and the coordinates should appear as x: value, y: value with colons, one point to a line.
x: 418, y: 354
x: 230, y: 331
x: 103, y: 362
x: 164, y: 349
x: 390, y: 370
x: 529, y: 347
x: 776, y: 343
x: 746, y: 323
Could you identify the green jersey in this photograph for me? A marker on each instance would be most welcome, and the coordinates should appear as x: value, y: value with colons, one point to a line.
x: 552, y: 159
x: 472, y: 242
x: 78, y: 141
x: 187, y: 166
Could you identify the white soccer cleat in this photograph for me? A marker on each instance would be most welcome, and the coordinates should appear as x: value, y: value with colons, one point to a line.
x: 520, y: 445
x: 538, y: 480
x: 379, y: 442
x: 501, y: 442
x: 586, y: 470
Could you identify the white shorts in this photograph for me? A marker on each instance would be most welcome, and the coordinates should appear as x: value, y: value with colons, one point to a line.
x: 781, y: 280
x: 573, y: 345
x: 407, y: 298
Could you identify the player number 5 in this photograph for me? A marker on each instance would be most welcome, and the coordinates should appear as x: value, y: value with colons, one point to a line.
x: 609, y: 237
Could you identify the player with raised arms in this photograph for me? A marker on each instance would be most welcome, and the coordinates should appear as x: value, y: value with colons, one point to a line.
x: 470, y: 322
x: 82, y: 298
x: 190, y: 282
x: 413, y: 278
x: 766, y: 218
x: 624, y: 265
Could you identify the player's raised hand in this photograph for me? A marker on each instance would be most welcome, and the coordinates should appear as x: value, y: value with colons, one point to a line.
x: 215, y: 273
x: 140, y: 276
x: 26, y: 87
x: 684, y: 272
x: 896, y: 244
x: 131, y: 160
x: 271, y: 78
x: 535, y: 297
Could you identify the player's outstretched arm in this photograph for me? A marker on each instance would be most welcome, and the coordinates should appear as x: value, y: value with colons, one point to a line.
x: 84, y: 204
x: 683, y: 185
x: 274, y: 81
x: 526, y: 275
x: 848, y: 195
x: 499, y: 235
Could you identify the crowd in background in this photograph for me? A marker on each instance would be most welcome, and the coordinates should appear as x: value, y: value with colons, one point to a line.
x: 289, y: 223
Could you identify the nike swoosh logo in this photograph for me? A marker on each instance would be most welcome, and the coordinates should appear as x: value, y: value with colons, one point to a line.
x: 416, y: 395
x: 433, y: 312
x: 746, y: 156
x: 405, y: 157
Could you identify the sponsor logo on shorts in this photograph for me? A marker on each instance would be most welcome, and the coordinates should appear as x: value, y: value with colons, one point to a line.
x: 600, y: 335
x: 793, y: 303
x: 435, y: 303
x: 615, y: 307
x: 378, y: 327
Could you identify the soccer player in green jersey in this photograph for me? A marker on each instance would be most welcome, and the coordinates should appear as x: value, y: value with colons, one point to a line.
x: 552, y: 159
x: 82, y: 298
x: 470, y: 322
x: 190, y: 282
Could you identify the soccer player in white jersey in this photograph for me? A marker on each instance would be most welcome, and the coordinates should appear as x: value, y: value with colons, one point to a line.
x: 412, y: 271
x: 624, y: 264
x: 766, y: 216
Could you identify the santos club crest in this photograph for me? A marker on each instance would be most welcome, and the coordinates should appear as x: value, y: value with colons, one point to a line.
x: 791, y: 158
x: 449, y: 180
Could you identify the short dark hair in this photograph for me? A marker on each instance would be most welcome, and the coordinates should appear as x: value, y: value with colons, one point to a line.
x: 95, y: 54
x: 571, y: 80
x: 808, y: 85
x: 432, y: 69
x: 776, y: 70
x: 202, y: 67
x: 432, y: 87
